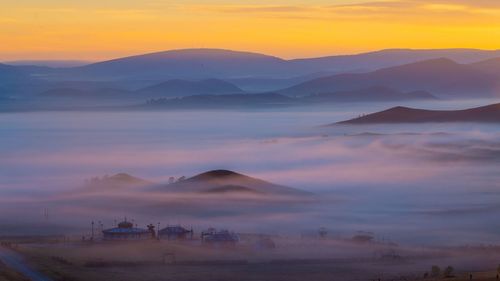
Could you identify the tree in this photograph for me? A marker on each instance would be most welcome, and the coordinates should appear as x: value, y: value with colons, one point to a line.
x: 448, y: 272
x: 171, y: 180
x: 435, y: 271
x: 498, y: 269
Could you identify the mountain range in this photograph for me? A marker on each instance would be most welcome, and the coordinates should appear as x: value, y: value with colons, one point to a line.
x: 225, y: 64
x: 447, y: 74
x: 181, y: 88
x: 442, y: 77
x: 223, y: 101
x: 168, y: 89
x: 370, y: 94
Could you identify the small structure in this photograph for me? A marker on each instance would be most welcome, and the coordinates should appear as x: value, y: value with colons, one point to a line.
x: 323, y: 233
x: 175, y: 232
x: 265, y: 242
x: 127, y: 232
x: 363, y: 237
x: 219, y: 238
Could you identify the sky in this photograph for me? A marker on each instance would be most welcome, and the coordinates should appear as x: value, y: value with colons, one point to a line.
x: 104, y: 29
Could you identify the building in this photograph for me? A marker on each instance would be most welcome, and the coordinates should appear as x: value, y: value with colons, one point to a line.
x: 175, y: 232
x: 127, y: 232
x: 219, y: 238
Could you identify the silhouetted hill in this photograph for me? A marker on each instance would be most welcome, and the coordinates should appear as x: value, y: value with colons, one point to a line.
x: 49, y: 63
x: 218, y: 63
x: 5, y: 99
x: 11, y: 74
x: 442, y: 77
x: 371, y: 94
x: 85, y: 94
x: 489, y: 113
x: 117, y: 181
x: 231, y: 189
x: 223, y: 101
x: 188, y: 64
x: 491, y: 66
x: 249, y: 71
x: 224, y: 181
x: 181, y: 88
x: 391, y: 57
x: 63, y: 92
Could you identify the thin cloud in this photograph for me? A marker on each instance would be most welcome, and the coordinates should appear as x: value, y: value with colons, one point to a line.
x: 403, y: 10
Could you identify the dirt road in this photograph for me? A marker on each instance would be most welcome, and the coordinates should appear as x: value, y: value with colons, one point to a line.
x: 17, y: 263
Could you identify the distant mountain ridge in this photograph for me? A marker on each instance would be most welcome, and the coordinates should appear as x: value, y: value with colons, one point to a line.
x: 440, y: 76
x: 167, y: 89
x: 181, y: 88
x: 11, y: 74
x: 187, y: 64
x: 447, y: 73
x: 222, y: 101
x: 370, y: 94
x: 49, y: 63
x: 370, y: 61
x: 491, y: 66
x: 486, y: 114
x: 224, y: 64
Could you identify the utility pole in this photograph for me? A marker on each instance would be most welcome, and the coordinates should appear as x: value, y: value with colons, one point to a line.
x: 92, y: 237
x: 158, y: 232
x: 46, y: 214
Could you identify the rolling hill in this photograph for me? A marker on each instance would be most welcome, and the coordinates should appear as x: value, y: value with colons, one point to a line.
x: 370, y: 61
x: 117, y: 181
x: 186, y: 64
x: 225, y: 64
x: 181, y: 88
x: 222, y: 101
x: 491, y: 66
x: 224, y: 181
x: 11, y: 74
x: 442, y: 77
x: 371, y: 94
x: 484, y: 114
x: 75, y: 93
x: 260, y: 73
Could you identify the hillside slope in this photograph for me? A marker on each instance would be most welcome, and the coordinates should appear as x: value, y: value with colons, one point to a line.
x: 488, y: 114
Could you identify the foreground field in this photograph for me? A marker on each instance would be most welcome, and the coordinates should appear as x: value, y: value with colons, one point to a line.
x: 290, y: 261
x: 8, y: 274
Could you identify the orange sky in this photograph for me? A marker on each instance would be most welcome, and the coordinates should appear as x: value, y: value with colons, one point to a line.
x: 102, y: 29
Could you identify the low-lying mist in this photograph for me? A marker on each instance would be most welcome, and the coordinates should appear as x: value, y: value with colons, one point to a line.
x: 415, y: 184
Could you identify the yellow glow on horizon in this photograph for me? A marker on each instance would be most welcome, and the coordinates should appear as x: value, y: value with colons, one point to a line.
x: 94, y: 30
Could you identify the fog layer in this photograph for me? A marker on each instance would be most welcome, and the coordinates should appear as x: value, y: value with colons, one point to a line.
x: 420, y: 184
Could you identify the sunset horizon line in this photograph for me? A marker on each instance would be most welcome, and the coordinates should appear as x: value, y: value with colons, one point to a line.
x: 285, y: 58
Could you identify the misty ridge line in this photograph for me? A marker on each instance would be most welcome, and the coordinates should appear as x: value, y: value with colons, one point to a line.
x: 468, y: 52
x: 352, y: 170
x: 214, y: 78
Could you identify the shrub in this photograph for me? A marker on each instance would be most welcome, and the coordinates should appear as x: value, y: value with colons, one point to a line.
x: 435, y: 271
x: 448, y: 272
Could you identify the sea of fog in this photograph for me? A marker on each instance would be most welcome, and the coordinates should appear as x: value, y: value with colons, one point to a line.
x: 409, y: 183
